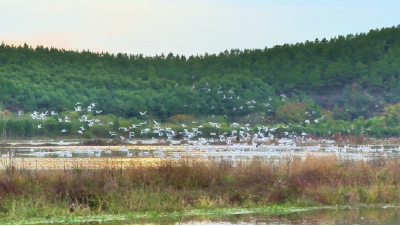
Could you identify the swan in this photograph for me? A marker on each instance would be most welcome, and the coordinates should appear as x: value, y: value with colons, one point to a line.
x: 40, y: 154
x: 77, y: 150
x: 89, y: 151
x: 67, y: 154
x: 129, y: 154
x: 97, y: 150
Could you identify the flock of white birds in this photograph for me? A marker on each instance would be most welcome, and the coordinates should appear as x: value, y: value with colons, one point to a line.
x: 250, y: 143
x: 264, y: 132
x: 286, y: 149
x: 243, y: 131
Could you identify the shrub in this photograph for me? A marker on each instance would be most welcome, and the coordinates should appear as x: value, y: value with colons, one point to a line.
x: 87, y: 135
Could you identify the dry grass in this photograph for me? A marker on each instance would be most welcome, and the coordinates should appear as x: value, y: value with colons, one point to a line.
x: 115, y: 184
x: 82, y: 163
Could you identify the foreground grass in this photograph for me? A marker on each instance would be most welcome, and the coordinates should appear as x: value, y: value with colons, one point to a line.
x: 120, y: 217
x: 112, y: 191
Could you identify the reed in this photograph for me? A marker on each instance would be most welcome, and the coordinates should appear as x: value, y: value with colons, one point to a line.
x: 42, y: 187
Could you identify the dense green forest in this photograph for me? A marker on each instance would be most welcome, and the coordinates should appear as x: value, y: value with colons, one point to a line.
x: 345, y: 78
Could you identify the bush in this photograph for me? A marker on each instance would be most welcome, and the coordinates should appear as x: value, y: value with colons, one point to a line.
x: 87, y: 135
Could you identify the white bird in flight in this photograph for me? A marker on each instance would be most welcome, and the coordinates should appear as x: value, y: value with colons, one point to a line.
x: 142, y: 113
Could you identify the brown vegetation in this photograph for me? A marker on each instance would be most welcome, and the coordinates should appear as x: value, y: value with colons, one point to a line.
x: 200, y: 182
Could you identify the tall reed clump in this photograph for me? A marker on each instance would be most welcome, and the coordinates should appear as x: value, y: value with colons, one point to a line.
x: 121, y: 185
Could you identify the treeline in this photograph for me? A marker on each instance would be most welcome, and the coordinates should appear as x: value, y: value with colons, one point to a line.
x: 352, y: 76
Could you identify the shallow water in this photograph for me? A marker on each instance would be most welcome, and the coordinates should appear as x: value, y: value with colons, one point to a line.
x: 220, y: 151
x: 359, y: 215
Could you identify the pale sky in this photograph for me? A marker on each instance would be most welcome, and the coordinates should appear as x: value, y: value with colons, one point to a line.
x: 186, y: 27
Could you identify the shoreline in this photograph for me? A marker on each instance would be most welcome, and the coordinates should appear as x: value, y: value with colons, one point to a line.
x: 264, y: 210
x: 268, y: 210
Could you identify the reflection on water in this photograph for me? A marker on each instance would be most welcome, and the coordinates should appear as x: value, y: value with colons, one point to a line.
x: 359, y: 215
x: 365, y: 153
x: 73, y: 152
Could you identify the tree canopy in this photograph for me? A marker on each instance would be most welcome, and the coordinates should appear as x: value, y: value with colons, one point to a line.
x: 359, y: 74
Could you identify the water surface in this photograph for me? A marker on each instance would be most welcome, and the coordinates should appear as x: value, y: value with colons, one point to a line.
x: 355, y: 215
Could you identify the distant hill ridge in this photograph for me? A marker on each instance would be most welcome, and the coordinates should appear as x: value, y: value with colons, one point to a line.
x: 355, y: 72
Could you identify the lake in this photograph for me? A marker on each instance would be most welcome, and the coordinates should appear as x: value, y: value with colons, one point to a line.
x: 353, y: 215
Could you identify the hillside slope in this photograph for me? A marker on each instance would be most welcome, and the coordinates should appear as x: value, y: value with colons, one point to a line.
x: 357, y: 73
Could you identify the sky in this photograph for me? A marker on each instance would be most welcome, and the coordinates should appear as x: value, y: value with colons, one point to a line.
x: 186, y: 27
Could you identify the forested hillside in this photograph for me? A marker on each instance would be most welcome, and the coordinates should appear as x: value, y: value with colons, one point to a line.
x: 353, y: 75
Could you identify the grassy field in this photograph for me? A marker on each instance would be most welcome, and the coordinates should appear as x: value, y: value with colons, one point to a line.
x: 71, y: 188
x: 23, y: 164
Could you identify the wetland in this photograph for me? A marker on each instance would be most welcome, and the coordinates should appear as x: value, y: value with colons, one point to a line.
x: 232, y: 185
